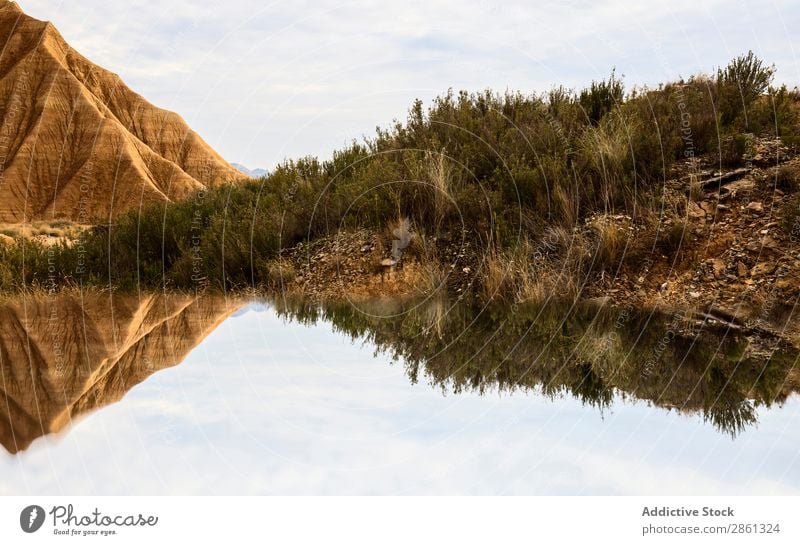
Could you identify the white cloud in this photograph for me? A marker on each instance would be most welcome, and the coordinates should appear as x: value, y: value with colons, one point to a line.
x: 264, y: 81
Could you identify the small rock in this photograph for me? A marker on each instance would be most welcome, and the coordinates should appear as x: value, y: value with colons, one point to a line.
x: 755, y: 207
x: 762, y: 269
x: 695, y: 211
x: 717, y: 267
x: 770, y: 243
x: 741, y: 269
x: 694, y: 294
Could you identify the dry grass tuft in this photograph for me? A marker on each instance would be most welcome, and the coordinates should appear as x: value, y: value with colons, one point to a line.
x: 279, y: 272
x: 441, y: 178
x: 499, y: 276
x: 611, y: 242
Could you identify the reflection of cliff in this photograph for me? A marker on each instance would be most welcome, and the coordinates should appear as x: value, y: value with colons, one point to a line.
x: 593, y: 354
x: 65, y: 356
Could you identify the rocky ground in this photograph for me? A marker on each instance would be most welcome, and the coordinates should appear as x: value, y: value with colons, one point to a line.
x: 349, y: 264
x: 736, y: 262
x: 738, y: 259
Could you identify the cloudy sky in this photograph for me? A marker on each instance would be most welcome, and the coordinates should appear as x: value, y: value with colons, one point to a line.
x: 262, y: 81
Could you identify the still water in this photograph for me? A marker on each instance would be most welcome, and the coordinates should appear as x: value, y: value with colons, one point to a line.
x: 175, y: 395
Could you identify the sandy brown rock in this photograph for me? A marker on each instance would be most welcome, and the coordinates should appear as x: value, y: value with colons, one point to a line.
x: 77, y: 143
x: 64, y: 356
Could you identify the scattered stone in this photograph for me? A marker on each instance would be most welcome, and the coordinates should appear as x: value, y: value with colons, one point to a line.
x: 770, y: 243
x: 694, y: 294
x: 762, y: 269
x: 741, y: 269
x: 695, y: 211
x: 717, y: 267
x: 755, y: 207
x: 783, y: 284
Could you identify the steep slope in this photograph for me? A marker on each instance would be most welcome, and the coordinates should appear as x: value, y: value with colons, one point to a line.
x: 63, y: 357
x: 77, y: 143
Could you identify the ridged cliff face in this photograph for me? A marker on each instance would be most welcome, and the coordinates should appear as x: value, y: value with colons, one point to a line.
x: 77, y: 143
x: 63, y: 357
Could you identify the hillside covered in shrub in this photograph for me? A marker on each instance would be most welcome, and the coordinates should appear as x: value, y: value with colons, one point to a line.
x: 515, y: 173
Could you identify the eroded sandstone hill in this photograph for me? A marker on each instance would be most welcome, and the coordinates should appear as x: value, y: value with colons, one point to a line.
x: 77, y: 143
x: 64, y: 356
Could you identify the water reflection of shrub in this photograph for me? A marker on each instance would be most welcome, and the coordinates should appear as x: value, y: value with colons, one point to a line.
x: 579, y: 351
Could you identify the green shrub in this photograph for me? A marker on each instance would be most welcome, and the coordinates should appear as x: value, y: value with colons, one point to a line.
x: 735, y: 148
x: 787, y: 178
x: 601, y: 98
x: 739, y: 85
x: 501, y: 165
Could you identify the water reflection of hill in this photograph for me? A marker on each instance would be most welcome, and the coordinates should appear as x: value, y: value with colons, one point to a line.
x: 592, y: 354
x: 65, y: 356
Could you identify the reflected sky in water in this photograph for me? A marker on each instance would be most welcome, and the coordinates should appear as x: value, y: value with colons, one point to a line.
x: 266, y: 407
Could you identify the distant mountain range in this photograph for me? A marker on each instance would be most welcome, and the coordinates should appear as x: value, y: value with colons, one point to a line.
x: 255, y: 173
x: 77, y: 143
